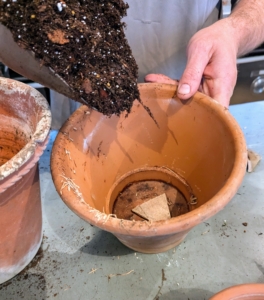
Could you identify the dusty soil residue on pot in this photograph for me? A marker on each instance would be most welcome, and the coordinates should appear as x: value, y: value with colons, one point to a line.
x: 139, y: 192
x: 14, y: 135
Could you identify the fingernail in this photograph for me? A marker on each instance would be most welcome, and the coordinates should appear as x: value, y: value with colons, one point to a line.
x: 184, y: 89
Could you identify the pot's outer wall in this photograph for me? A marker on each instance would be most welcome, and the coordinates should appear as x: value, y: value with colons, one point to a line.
x: 24, y: 127
x: 21, y: 224
x: 198, y: 139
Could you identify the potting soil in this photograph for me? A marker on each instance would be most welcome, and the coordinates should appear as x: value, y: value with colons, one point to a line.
x: 83, y: 42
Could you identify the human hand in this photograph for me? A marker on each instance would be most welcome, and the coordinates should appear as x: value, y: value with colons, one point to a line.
x: 211, y: 65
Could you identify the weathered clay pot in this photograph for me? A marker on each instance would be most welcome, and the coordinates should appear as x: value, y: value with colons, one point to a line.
x: 24, y: 126
x: 243, y: 291
x: 197, y: 146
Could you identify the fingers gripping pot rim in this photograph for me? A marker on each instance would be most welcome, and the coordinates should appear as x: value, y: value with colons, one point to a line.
x: 198, y: 139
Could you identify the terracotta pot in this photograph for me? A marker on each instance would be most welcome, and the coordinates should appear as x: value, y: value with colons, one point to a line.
x: 24, y: 126
x: 243, y: 291
x: 197, y: 146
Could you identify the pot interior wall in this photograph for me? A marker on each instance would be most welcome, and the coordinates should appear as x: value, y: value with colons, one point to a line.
x: 20, y: 105
x: 191, y: 139
x: 19, y: 115
x: 14, y: 135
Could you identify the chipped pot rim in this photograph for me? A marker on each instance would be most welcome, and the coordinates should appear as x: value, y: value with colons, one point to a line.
x: 9, y: 87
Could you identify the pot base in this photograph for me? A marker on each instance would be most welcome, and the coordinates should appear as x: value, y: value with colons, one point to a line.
x: 152, y: 245
x: 141, y: 185
x: 139, y: 192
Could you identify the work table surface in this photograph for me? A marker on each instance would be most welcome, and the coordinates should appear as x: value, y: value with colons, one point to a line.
x: 79, y: 261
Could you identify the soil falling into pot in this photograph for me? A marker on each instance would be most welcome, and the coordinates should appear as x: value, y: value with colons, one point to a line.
x: 83, y: 42
x: 139, y: 192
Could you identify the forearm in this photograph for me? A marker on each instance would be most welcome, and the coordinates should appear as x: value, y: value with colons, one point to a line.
x: 247, y: 21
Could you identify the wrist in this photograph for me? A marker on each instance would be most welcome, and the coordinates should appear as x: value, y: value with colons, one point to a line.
x: 229, y: 35
x: 246, y: 24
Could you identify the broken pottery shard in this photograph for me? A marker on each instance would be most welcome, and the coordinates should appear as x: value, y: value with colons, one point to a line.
x: 253, y: 160
x: 155, y: 209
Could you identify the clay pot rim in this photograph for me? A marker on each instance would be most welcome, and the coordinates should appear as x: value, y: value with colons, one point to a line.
x: 38, y: 138
x: 234, y: 292
x: 179, y: 224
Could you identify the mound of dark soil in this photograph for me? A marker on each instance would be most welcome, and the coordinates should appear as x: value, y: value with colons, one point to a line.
x: 83, y: 42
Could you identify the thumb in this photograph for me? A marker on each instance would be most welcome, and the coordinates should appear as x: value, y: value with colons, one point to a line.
x: 193, y: 73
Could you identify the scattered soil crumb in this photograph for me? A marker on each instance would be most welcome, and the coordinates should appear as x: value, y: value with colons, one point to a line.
x: 163, y: 275
x: 58, y: 37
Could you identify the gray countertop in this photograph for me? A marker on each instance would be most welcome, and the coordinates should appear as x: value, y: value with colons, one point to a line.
x: 79, y: 261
